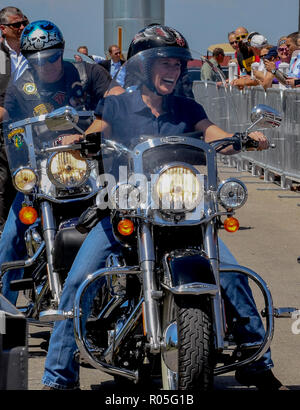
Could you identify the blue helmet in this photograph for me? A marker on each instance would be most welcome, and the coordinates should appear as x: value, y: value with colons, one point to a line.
x: 41, y: 35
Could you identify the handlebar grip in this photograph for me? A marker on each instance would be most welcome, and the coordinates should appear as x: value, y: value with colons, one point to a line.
x: 250, y: 143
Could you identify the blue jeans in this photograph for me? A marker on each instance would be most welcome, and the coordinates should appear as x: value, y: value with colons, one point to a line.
x: 62, y: 371
x: 12, y: 247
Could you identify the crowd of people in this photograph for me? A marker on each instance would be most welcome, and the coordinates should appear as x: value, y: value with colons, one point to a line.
x: 27, y: 64
x: 278, y: 63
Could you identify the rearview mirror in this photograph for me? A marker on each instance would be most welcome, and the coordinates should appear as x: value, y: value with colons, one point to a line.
x: 64, y: 118
x: 265, y: 117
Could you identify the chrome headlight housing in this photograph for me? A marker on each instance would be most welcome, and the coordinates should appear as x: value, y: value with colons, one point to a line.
x: 24, y: 179
x: 178, y: 188
x: 232, y: 193
x: 67, y: 169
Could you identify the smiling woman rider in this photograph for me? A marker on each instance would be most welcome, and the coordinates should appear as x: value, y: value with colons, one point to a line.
x: 158, y: 57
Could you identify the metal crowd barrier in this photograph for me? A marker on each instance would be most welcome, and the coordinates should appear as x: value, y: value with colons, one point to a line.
x: 230, y: 109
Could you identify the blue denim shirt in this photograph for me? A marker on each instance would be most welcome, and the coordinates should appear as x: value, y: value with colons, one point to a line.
x: 130, y: 117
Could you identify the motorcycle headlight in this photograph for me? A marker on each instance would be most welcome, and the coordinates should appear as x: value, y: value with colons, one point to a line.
x: 24, y: 179
x: 178, y: 189
x: 67, y: 169
x: 232, y: 193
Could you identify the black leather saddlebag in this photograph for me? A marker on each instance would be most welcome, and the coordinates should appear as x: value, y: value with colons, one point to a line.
x: 67, y: 243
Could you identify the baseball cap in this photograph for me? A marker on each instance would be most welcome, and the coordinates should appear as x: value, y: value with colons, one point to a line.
x: 258, y: 41
x: 271, y: 53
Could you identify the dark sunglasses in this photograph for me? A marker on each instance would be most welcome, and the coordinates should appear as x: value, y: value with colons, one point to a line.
x: 263, y: 55
x: 43, y: 60
x: 282, y: 49
x: 18, y: 24
x: 232, y: 42
x: 241, y: 37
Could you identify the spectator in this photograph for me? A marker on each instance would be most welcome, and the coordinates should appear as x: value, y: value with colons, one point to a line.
x: 113, y: 64
x: 235, y: 45
x: 12, y: 65
x: 292, y: 41
x: 272, y: 63
x: 266, y: 78
x: 256, y: 45
x: 244, y: 54
x: 84, y: 50
x: 293, y: 47
x: 233, y: 42
x: 207, y: 71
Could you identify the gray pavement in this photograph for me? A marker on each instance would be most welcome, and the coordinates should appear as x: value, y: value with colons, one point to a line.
x: 267, y: 242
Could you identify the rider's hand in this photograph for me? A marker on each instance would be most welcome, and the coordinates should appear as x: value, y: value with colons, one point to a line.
x: 70, y: 139
x: 261, y: 138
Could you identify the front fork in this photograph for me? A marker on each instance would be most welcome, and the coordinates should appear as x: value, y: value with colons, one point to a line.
x: 151, y: 293
x: 49, y: 232
x: 211, y: 248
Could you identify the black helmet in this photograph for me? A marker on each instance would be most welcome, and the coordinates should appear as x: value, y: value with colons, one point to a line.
x: 158, y: 36
x: 154, y: 41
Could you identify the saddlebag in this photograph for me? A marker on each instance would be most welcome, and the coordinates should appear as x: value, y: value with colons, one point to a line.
x: 67, y: 243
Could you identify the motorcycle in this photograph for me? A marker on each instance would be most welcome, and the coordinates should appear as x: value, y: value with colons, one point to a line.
x: 159, y: 313
x: 57, y: 188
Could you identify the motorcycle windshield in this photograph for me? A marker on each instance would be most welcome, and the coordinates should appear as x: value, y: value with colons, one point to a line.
x: 151, y: 123
x: 29, y: 131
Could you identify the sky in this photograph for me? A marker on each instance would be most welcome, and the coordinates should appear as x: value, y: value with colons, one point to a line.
x: 202, y: 22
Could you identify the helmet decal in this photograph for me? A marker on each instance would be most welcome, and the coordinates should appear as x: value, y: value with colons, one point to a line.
x: 41, y: 35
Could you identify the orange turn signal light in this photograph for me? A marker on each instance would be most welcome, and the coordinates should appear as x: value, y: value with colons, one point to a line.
x: 231, y: 224
x: 28, y: 215
x: 125, y: 227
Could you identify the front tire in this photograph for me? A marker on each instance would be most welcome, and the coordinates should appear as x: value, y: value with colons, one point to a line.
x: 195, y: 357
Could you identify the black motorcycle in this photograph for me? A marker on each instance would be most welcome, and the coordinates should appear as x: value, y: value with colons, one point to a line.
x: 57, y: 188
x: 161, y: 313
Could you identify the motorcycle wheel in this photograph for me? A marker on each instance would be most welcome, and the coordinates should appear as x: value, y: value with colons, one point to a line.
x: 191, y: 365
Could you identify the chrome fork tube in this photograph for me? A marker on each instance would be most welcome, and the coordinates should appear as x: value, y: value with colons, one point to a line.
x: 147, y: 265
x: 211, y: 246
x: 49, y: 232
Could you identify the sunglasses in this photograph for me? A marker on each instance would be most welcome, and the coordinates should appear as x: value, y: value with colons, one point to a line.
x: 263, y: 55
x: 241, y: 37
x: 282, y: 49
x: 233, y: 42
x: 44, y: 60
x: 18, y: 24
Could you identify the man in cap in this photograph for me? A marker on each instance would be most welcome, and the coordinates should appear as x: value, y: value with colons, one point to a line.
x: 256, y: 43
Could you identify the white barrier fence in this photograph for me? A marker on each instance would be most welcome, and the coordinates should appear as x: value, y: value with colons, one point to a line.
x: 230, y: 109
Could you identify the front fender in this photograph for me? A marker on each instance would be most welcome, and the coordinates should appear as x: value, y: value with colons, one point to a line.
x: 189, y: 274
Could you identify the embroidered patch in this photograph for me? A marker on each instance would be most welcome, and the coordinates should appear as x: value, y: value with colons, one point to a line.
x: 29, y: 88
x: 14, y: 132
x: 59, y: 97
x: 17, y: 136
x: 18, y: 140
x: 42, y: 109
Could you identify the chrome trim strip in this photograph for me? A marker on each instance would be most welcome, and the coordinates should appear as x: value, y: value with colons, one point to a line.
x: 194, y: 288
x: 66, y: 201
